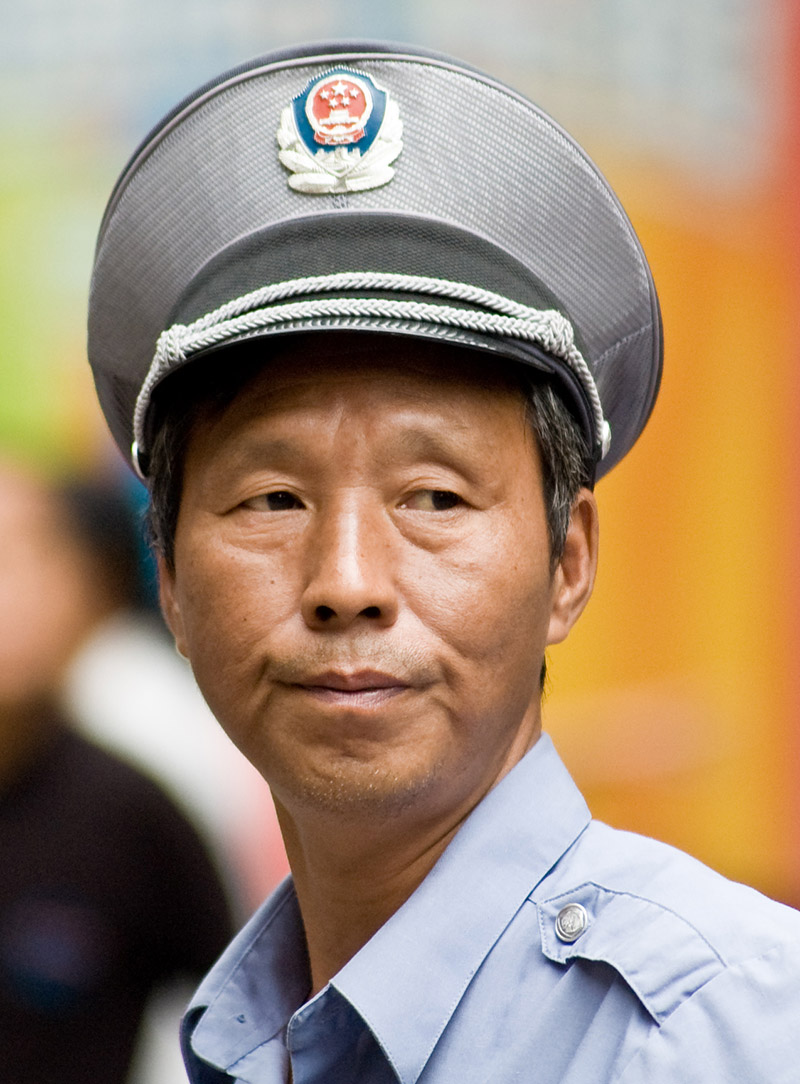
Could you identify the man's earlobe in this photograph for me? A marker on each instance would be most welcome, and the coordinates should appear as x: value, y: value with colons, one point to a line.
x: 170, y: 607
x: 573, y: 578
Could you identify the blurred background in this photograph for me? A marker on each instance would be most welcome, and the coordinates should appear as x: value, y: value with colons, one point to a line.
x: 675, y: 702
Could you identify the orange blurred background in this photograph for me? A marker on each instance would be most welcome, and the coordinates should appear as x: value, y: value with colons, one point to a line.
x: 675, y: 702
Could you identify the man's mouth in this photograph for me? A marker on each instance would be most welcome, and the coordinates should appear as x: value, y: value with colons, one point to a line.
x: 365, y: 688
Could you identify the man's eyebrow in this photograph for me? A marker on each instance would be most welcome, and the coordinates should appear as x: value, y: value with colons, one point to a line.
x: 252, y: 450
x: 429, y: 443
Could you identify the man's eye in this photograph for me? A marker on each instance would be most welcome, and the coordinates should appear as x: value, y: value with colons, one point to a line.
x: 279, y: 501
x: 432, y: 500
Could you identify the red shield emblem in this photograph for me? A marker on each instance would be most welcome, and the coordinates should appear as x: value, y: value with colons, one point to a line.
x: 338, y: 109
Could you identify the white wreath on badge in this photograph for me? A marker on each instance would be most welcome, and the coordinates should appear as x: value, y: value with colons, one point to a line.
x: 344, y: 169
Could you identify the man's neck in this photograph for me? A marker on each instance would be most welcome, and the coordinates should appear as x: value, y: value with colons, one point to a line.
x: 355, y: 865
x: 351, y: 879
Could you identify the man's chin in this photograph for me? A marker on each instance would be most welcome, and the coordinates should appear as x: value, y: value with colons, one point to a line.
x: 354, y: 790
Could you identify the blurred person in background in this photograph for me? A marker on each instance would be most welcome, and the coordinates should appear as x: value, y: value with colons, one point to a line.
x: 106, y: 892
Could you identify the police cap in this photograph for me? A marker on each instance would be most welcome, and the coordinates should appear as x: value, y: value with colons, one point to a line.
x: 375, y: 188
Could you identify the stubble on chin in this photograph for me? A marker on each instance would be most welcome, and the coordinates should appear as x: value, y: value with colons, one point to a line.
x: 353, y: 791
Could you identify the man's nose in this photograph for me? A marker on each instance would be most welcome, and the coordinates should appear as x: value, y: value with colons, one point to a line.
x: 351, y: 574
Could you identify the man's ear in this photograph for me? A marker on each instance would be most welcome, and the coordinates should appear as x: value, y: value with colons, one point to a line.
x: 573, y: 578
x: 169, y: 604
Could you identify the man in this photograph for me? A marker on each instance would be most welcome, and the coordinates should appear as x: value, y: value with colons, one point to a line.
x: 371, y: 325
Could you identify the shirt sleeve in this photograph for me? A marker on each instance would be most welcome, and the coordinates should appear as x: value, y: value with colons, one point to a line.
x: 742, y: 1027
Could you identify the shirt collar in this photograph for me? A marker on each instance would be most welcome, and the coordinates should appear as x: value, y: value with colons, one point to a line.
x: 257, y: 984
x: 407, y: 980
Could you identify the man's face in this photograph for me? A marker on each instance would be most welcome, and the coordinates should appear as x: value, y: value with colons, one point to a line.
x: 362, y: 576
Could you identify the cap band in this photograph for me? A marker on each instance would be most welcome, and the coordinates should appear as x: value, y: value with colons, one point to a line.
x: 256, y: 311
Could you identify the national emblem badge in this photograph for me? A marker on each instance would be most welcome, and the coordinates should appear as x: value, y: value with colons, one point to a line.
x: 341, y: 134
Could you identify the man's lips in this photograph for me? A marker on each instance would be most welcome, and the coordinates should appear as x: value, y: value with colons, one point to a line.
x: 353, y: 682
x: 363, y: 687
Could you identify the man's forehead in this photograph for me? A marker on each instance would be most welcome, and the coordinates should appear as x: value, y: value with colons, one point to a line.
x: 364, y: 375
x: 338, y: 356
x: 363, y: 420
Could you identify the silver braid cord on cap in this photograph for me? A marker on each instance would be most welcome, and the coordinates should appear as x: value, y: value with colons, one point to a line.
x: 257, y: 310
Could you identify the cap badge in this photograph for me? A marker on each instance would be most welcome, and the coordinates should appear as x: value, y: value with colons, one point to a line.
x: 341, y: 134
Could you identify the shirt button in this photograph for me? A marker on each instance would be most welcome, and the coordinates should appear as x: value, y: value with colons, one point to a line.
x: 571, y: 921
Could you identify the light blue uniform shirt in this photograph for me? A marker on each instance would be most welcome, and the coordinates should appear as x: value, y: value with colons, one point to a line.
x: 671, y: 973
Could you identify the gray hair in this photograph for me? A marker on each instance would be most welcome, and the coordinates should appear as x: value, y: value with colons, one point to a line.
x: 567, y: 462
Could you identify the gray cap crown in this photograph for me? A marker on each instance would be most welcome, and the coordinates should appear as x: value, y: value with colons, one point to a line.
x: 466, y: 193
